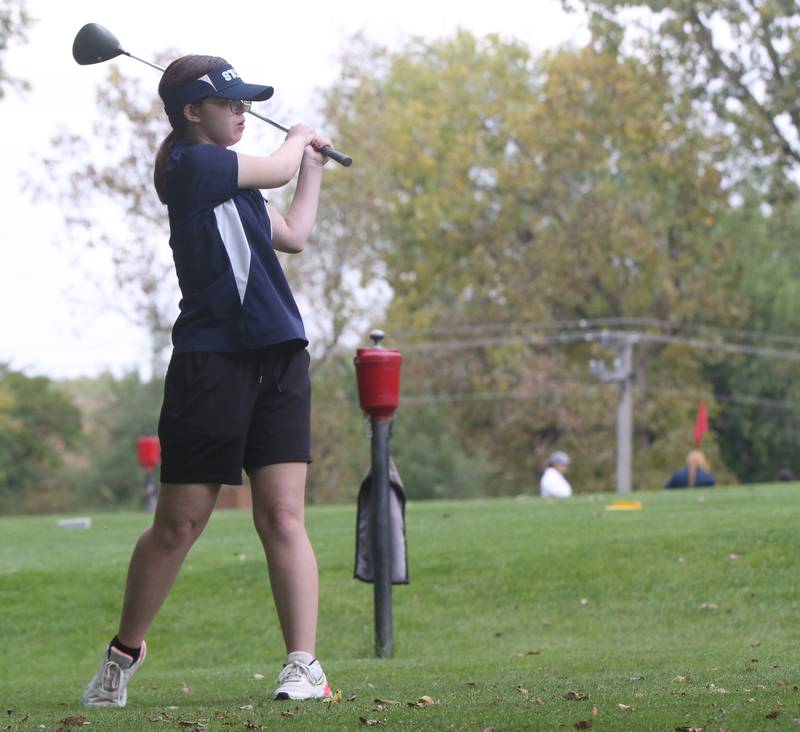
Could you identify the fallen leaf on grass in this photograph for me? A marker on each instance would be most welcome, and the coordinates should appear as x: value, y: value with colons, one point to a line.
x: 734, y: 556
x: 522, y: 690
x: 681, y: 679
x: 251, y: 725
x: 489, y: 729
x: 290, y: 712
x: 594, y: 710
x: 636, y: 678
x: 709, y: 606
x: 688, y: 729
x: 387, y: 702
x: 538, y: 702
x: 258, y: 677
x: 335, y: 698
x: 584, y: 601
x: 520, y: 654
x: 775, y: 713
x: 246, y: 707
x: 575, y: 696
x: 370, y: 722
x: 352, y: 697
x: 76, y: 720
x: 423, y: 701
x: 584, y: 724
x: 752, y: 700
x: 471, y: 683
x: 624, y: 708
x: 194, y: 725
x: 185, y: 688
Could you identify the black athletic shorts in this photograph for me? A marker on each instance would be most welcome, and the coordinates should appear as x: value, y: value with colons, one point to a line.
x: 226, y: 411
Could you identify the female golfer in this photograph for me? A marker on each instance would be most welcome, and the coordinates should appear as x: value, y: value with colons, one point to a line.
x: 237, y: 392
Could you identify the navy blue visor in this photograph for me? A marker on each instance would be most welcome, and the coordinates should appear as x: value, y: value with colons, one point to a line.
x: 221, y: 82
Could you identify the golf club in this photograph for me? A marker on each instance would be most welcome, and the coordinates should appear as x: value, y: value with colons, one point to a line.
x: 94, y: 44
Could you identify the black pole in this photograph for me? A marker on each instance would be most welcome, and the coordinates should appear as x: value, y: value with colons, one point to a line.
x: 381, y: 538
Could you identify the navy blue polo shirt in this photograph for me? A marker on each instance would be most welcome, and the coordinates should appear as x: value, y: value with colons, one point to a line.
x: 234, y: 293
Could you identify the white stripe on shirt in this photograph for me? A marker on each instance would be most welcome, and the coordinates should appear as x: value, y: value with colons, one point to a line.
x: 233, y: 237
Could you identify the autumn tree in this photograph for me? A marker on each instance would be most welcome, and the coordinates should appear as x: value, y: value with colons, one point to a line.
x: 509, y: 189
x: 739, y: 60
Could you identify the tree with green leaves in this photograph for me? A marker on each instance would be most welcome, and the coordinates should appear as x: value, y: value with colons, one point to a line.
x: 509, y: 189
x: 14, y: 24
x: 738, y: 60
x: 39, y: 423
x: 118, y: 410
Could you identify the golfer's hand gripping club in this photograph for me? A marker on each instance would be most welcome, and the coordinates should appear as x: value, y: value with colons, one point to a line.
x: 328, y: 151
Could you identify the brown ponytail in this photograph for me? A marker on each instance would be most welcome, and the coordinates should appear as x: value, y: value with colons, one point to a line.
x: 181, y: 70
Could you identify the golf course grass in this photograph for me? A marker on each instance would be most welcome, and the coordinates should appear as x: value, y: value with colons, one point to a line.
x: 523, y: 613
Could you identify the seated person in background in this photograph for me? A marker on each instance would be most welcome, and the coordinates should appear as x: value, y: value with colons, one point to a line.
x: 553, y: 482
x: 695, y: 475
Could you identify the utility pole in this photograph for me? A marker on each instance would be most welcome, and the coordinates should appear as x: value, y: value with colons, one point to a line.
x: 621, y: 373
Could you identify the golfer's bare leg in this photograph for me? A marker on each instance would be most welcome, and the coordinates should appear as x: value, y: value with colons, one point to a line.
x: 279, y: 516
x: 181, y: 514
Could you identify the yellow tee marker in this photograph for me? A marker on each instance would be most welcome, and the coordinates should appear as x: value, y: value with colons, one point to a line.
x: 625, y: 506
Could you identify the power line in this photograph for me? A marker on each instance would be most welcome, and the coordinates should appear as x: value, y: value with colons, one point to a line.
x: 600, y: 335
x: 594, y: 324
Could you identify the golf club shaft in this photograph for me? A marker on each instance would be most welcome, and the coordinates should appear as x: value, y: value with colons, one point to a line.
x: 153, y: 66
x: 328, y: 151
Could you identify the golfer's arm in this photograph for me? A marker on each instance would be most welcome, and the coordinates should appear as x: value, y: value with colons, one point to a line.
x: 273, y: 171
x: 291, y: 231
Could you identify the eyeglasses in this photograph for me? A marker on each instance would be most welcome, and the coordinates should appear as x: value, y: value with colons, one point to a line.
x: 237, y: 106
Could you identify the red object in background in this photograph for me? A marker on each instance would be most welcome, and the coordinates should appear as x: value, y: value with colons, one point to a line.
x: 148, y: 450
x: 378, y: 374
x: 701, y: 423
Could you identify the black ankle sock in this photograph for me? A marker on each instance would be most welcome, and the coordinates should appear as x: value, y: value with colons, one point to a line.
x: 133, y: 652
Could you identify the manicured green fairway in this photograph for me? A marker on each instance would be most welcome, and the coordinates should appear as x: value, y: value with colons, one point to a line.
x: 687, y: 612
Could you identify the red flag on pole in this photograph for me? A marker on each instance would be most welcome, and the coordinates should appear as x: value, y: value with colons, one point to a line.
x: 701, y: 423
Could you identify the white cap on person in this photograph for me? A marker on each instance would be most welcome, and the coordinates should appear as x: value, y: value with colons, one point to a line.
x: 559, y: 458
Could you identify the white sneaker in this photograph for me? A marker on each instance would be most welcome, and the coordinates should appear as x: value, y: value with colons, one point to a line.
x: 302, y: 678
x: 109, y: 687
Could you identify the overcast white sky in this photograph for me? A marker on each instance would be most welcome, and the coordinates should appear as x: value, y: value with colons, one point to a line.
x: 293, y: 46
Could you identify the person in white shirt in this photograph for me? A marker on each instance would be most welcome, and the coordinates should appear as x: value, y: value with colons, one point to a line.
x: 553, y: 482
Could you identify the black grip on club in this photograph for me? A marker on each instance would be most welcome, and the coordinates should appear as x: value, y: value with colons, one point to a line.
x: 340, y: 158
